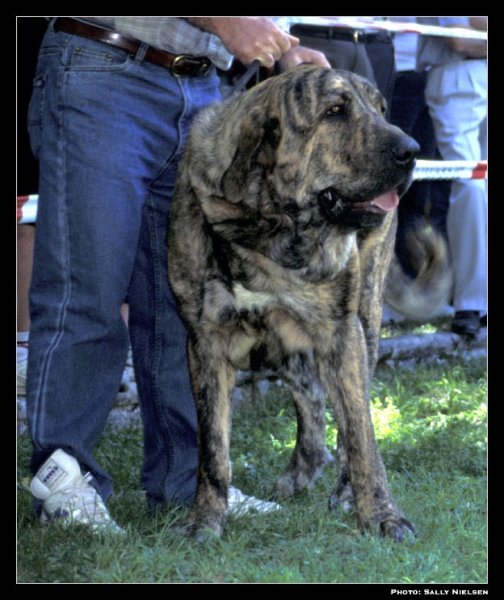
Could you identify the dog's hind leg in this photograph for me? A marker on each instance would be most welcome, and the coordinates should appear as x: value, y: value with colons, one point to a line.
x: 310, y: 454
x: 343, y: 495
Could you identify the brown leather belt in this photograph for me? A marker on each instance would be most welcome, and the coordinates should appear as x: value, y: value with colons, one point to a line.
x: 180, y: 65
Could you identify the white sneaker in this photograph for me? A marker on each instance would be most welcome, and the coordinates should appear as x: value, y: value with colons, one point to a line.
x: 239, y: 504
x: 68, y: 496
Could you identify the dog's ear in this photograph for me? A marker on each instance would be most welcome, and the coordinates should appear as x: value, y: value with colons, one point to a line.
x: 255, y: 152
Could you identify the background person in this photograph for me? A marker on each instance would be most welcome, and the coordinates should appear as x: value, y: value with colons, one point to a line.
x: 457, y: 95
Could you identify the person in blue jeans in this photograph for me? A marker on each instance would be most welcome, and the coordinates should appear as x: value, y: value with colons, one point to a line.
x: 112, y: 102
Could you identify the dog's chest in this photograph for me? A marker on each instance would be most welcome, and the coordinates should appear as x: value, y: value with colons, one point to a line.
x: 295, y: 322
x: 303, y: 303
x: 248, y: 300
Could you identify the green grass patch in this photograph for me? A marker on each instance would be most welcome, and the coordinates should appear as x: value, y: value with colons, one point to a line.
x: 397, y: 328
x: 431, y: 427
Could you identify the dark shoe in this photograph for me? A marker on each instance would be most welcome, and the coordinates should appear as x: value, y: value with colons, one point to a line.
x: 466, y: 322
x: 483, y: 321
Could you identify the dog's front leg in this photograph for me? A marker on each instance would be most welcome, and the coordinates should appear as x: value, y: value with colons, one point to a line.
x: 213, y: 382
x: 345, y: 373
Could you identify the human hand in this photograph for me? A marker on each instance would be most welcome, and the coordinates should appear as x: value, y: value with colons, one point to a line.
x: 301, y: 54
x: 249, y: 38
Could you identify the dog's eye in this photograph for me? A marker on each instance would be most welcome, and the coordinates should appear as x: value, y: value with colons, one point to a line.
x: 337, y: 110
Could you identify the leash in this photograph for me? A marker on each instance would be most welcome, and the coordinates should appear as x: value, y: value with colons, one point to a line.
x: 240, y: 85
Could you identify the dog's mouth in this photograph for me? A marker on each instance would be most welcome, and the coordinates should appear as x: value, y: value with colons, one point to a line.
x: 330, y: 199
x: 338, y: 209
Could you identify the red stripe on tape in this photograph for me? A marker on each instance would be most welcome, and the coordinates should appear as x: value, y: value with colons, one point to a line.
x: 21, y: 201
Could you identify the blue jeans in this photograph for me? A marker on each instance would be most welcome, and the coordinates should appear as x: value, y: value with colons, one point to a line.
x: 108, y: 129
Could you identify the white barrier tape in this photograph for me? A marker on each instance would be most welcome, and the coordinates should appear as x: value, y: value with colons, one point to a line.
x: 424, y: 169
x: 450, y: 169
x: 395, y: 27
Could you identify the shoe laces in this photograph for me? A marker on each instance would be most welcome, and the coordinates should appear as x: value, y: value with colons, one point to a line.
x: 81, y: 503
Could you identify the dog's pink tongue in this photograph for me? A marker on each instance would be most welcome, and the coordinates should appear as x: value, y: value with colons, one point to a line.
x: 387, y: 201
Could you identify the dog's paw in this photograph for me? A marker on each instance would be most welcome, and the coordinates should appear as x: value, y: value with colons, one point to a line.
x: 284, y: 487
x: 393, y: 526
x: 399, y: 530
x: 294, y: 481
x: 304, y: 475
x: 200, y: 531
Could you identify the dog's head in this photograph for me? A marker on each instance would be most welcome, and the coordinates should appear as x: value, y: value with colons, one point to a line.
x: 311, y: 140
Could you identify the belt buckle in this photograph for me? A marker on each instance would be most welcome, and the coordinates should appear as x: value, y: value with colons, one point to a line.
x: 357, y: 36
x: 178, y: 70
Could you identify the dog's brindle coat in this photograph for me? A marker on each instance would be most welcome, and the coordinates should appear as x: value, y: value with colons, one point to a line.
x: 281, y: 232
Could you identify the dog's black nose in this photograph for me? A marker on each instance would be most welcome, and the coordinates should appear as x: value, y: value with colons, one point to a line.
x: 405, y: 150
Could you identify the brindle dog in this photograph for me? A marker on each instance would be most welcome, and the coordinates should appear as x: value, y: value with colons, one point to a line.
x: 280, y: 237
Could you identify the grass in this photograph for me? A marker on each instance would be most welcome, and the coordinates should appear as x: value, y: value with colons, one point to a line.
x: 396, y: 328
x: 431, y: 427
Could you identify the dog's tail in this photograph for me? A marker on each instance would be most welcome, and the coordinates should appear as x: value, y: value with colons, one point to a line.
x: 425, y: 296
